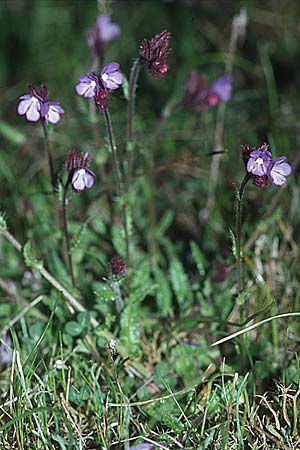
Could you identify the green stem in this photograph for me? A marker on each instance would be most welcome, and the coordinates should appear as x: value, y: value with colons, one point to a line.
x: 118, y: 176
x: 65, y: 229
x: 134, y: 74
x: 238, y: 232
x: 50, y: 156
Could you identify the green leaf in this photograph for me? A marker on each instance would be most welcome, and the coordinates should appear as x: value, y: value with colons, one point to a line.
x: 164, y: 293
x: 130, y: 328
x: 30, y: 260
x: 165, y: 223
x: 73, y: 328
x: 234, y: 244
x: 198, y: 258
x: 173, y: 423
x: 180, y: 284
x: 12, y: 134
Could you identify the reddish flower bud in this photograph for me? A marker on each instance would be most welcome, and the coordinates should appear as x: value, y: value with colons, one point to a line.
x: 154, y: 52
x: 118, y: 267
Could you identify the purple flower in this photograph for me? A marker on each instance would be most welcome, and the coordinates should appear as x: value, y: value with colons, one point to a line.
x: 259, y: 162
x: 80, y: 176
x: 92, y: 86
x: 222, y: 87
x: 278, y: 171
x: 199, y: 96
x: 5, y: 350
x: 154, y: 52
x: 108, y: 31
x: 51, y: 111
x: 111, y: 76
x: 82, y: 179
x: 88, y: 85
x: 103, y: 32
x: 260, y: 165
x: 30, y: 105
x: 35, y: 106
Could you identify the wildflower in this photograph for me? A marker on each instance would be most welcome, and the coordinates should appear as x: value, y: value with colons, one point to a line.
x: 30, y: 105
x: 278, y: 171
x: 261, y: 166
x: 51, y: 111
x: 35, y: 106
x: 117, y: 267
x: 98, y: 87
x: 82, y: 179
x: 101, y: 34
x: 5, y: 350
x: 111, y: 76
x: 88, y: 85
x: 259, y: 161
x: 80, y: 176
x: 199, y: 96
x: 153, y: 54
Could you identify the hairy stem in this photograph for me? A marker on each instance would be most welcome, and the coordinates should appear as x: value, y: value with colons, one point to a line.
x: 65, y: 229
x: 134, y: 74
x: 238, y: 232
x: 50, y: 156
x: 118, y: 176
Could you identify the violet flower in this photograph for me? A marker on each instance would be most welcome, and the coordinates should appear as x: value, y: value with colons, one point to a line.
x: 199, y: 95
x: 98, y: 87
x: 80, y: 176
x: 111, y: 77
x: 51, y: 111
x: 278, y: 171
x: 259, y: 162
x: 261, y: 166
x: 88, y: 85
x: 101, y: 34
x: 5, y: 350
x: 154, y: 52
x: 30, y: 105
x: 35, y: 106
x: 82, y: 179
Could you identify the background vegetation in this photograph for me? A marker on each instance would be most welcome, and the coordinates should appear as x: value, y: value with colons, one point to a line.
x: 66, y: 386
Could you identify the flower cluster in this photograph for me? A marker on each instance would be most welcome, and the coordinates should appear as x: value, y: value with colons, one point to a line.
x: 154, y: 52
x: 199, y: 95
x: 35, y: 106
x: 98, y: 87
x: 117, y: 267
x: 80, y: 176
x: 260, y: 164
x: 101, y: 34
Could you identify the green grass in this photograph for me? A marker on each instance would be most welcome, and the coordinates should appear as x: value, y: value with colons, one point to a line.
x: 116, y: 362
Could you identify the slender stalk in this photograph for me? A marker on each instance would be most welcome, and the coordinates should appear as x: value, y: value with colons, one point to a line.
x: 238, y: 232
x: 118, y: 176
x: 237, y: 30
x: 134, y: 74
x: 65, y: 229
x: 50, y: 156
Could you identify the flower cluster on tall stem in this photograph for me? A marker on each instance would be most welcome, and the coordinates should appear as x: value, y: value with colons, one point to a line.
x: 261, y: 168
x: 80, y: 177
